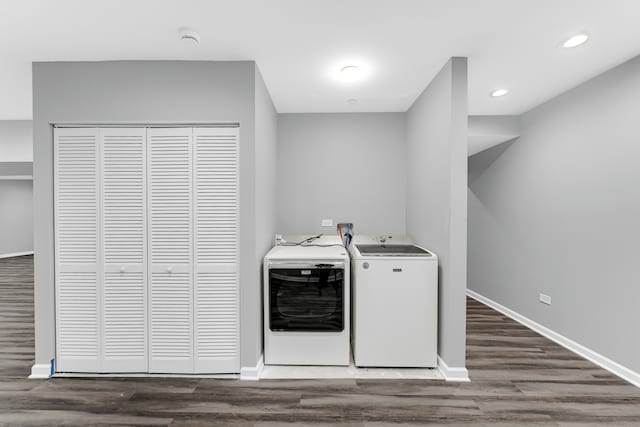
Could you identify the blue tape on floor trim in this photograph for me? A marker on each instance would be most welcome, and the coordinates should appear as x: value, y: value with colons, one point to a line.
x: 52, y: 364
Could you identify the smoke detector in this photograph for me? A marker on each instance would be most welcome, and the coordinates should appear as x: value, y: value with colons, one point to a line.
x: 189, y: 35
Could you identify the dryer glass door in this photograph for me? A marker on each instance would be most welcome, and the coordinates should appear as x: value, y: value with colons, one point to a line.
x: 306, y: 299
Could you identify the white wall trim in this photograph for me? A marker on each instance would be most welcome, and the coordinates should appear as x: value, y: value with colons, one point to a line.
x: 16, y: 254
x: 16, y: 178
x: 600, y: 360
x: 252, y: 373
x: 40, y: 371
x: 452, y: 374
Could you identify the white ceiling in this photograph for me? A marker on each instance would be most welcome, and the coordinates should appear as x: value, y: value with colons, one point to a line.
x: 299, y: 43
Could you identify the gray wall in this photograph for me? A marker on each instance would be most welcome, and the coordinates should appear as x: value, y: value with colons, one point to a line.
x: 16, y: 196
x: 16, y: 141
x: 266, y: 121
x: 437, y: 195
x: 494, y: 125
x: 558, y: 212
x: 347, y: 167
x: 487, y: 131
x: 141, y: 91
x: 16, y: 216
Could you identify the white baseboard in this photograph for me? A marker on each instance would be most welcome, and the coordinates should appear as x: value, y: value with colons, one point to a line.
x: 40, y: 371
x: 452, y: 374
x: 252, y: 373
x: 600, y: 360
x: 16, y: 254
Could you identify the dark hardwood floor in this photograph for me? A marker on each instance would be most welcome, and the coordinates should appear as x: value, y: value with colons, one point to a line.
x: 518, y: 378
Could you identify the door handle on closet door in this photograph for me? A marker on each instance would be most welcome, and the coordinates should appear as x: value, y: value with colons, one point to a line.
x: 169, y: 269
x: 122, y: 269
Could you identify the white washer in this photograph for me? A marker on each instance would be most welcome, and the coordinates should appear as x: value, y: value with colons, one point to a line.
x: 395, y: 305
x: 307, y: 304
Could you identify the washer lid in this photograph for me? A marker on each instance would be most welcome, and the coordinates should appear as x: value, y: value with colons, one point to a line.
x: 393, y: 250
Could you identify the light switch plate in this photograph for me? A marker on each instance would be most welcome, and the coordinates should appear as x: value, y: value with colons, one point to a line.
x: 545, y: 299
x: 327, y: 223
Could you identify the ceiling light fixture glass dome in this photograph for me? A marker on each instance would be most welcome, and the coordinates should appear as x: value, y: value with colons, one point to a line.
x: 350, y: 73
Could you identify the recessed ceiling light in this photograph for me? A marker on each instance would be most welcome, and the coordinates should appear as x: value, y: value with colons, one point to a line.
x: 576, y: 40
x: 499, y: 92
x: 189, y: 35
x: 350, y: 73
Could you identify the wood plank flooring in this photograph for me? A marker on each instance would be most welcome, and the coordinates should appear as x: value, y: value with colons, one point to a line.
x: 518, y: 378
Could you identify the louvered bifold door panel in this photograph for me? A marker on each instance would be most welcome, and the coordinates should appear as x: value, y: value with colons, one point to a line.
x: 169, y: 153
x: 216, y: 192
x: 77, y: 254
x: 124, y: 293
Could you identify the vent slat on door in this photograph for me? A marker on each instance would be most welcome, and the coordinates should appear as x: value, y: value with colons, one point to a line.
x: 77, y: 196
x: 78, y: 340
x: 216, y: 190
x: 217, y: 300
x: 77, y: 317
x: 124, y: 220
x: 170, y: 195
x: 125, y: 334
x: 171, y: 313
x: 171, y: 255
x: 124, y: 180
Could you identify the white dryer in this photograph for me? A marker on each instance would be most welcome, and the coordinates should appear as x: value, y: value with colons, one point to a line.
x: 395, y: 305
x: 306, y: 303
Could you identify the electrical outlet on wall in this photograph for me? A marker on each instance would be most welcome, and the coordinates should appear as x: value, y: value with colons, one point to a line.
x: 327, y: 223
x: 545, y: 299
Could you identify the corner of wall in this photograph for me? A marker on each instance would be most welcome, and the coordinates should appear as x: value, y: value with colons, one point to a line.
x: 453, y: 374
x: 437, y: 151
x: 265, y: 190
x: 41, y: 371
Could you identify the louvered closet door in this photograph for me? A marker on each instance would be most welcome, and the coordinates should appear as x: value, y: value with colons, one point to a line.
x: 216, y: 250
x: 124, y: 291
x: 169, y: 174
x: 77, y: 257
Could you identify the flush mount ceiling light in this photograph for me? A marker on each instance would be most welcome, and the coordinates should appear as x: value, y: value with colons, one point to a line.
x: 498, y: 93
x: 352, y: 101
x: 189, y: 35
x: 350, y: 70
x: 576, y: 40
x: 350, y: 73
